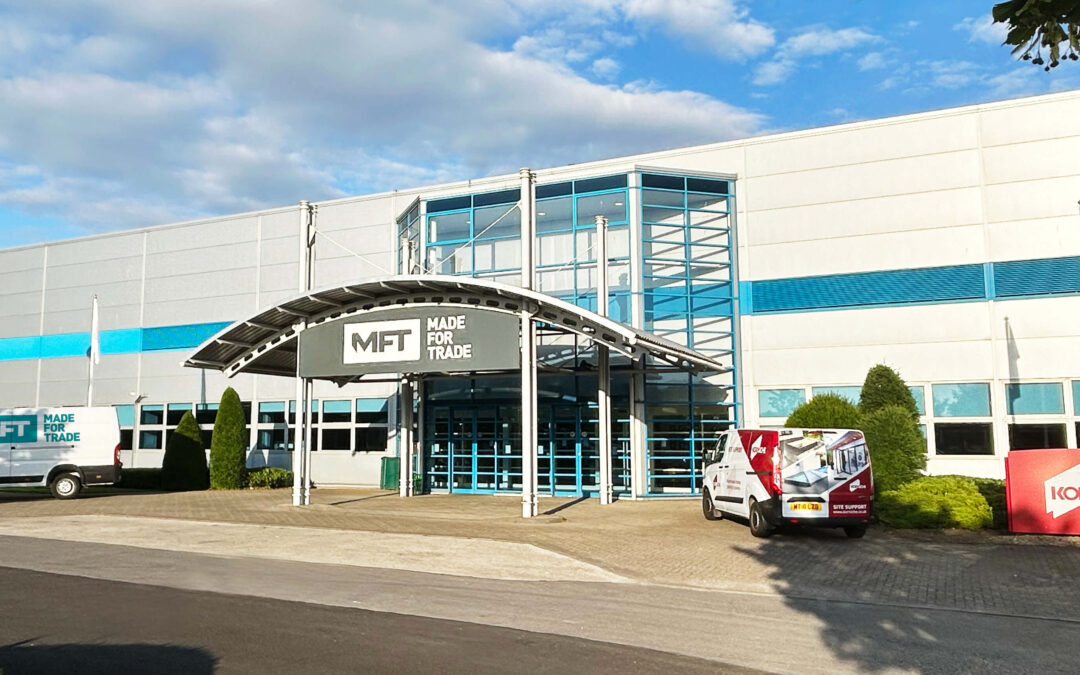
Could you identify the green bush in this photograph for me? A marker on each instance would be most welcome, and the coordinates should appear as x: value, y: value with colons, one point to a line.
x: 270, y: 477
x: 993, y: 490
x: 184, y: 464
x: 882, y: 387
x: 228, y: 445
x: 897, y: 448
x: 935, y: 502
x: 140, y: 479
x: 825, y: 411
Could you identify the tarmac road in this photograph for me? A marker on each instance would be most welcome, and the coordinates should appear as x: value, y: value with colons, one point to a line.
x: 64, y: 624
x: 356, y: 619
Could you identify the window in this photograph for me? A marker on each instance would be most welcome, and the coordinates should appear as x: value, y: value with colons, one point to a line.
x: 372, y: 420
x: 151, y: 427
x: 918, y: 393
x: 151, y: 414
x: 850, y: 393
x: 1036, y: 436
x: 1034, y: 398
x: 176, y: 413
x: 964, y: 439
x: 125, y: 415
x: 336, y: 423
x: 272, y: 430
x: 779, y: 402
x: 961, y: 400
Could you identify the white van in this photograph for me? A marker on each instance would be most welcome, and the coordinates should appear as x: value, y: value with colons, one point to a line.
x: 774, y: 477
x: 63, y: 448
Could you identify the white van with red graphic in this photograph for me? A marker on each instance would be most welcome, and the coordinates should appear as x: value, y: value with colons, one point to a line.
x: 775, y: 477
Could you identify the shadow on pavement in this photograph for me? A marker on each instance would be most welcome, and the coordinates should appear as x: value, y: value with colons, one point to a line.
x: 567, y: 505
x: 893, y: 603
x: 26, y: 657
x: 42, y: 494
x: 363, y: 499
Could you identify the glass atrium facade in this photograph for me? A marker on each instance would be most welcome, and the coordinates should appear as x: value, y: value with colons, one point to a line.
x: 670, y: 272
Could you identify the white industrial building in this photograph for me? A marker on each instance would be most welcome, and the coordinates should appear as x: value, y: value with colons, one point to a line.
x: 945, y: 244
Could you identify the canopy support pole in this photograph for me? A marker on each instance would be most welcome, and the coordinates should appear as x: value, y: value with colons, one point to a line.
x: 529, y: 503
x: 603, y: 362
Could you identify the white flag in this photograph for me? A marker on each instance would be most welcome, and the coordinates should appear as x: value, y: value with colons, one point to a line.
x: 95, y: 337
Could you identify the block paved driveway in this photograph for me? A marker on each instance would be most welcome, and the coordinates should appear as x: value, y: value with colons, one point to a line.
x: 662, y: 541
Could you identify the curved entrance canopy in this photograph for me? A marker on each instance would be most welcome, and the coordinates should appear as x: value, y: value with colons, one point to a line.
x: 266, y: 343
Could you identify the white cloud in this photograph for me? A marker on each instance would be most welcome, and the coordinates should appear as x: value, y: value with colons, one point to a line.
x: 605, y: 68
x: 143, y: 113
x: 872, y: 61
x: 809, y: 43
x: 983, y: 29
x: 718, y: 26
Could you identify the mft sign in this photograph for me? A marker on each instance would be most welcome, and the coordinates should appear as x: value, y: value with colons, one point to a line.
x: 412, y: 340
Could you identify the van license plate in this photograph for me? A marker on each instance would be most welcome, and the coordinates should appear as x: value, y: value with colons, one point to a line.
x: 804, y: 506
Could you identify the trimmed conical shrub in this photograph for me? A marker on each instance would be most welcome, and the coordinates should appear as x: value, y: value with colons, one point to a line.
x: 228, y: 445
x: 897, y: 447
x: 184, y: 464
x: 884, y: 387
x: 825, y: 411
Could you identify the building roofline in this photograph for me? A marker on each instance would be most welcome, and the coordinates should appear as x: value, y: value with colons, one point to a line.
x: 599, y: 167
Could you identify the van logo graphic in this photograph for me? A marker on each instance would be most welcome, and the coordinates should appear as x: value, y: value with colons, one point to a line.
x: 18, y: 428
x: 855, y: 485
x: 1063, y: 492
x: 382, y: 341
x: 756, y: 449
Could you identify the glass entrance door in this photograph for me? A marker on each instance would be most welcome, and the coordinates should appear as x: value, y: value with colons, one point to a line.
x: 567, y: 463
x: 473, y: 448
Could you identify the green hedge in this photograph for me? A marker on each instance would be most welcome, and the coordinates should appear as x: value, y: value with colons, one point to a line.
x: 228, y: 445
x: 270, y: 477
x: 935, y: 502
x: 184, y: 464
x: 140, y: 479
x: 993, y: 490
x: 897, y: 448
x: 825, y: 411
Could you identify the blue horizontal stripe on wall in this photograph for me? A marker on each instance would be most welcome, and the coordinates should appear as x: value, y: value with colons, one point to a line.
x: 1047, y: 276
x: 929, y: 284
x: 179, y: 337
x: 121, y: 341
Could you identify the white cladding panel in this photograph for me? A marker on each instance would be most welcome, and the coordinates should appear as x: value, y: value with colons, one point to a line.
x: 843, y: 145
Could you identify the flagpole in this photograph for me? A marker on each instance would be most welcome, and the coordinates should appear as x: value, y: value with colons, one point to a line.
x: 95, y: 351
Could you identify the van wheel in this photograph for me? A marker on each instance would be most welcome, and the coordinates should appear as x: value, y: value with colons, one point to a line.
x: 855, y: 531
x: 66, y: 486
x: 708, y: 508
x: 759, y: 527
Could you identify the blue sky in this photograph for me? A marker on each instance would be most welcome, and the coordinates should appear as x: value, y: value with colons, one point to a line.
x: 116, y: 114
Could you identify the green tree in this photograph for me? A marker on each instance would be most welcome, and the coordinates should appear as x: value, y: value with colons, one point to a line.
x: 228, y: 445
x: 184, y: 464
x: 897, y: 447
x: 1039, y: 24
x: 825, y: 411
x: 883, y: 387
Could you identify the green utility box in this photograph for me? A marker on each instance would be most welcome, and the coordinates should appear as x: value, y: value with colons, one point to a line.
x: 391, y: 473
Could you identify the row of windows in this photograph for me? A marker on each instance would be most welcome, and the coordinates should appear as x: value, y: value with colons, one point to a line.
x: 959, y: 413
x: 967, y: 399
x: 359, y: 425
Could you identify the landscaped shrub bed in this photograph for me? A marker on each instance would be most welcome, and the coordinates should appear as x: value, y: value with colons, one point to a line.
x: 140, y: 479
x: 269, y: 477
x: 935, y: 502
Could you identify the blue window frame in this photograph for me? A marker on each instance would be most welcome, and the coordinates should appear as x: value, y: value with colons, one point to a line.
x: 1034, y: 398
